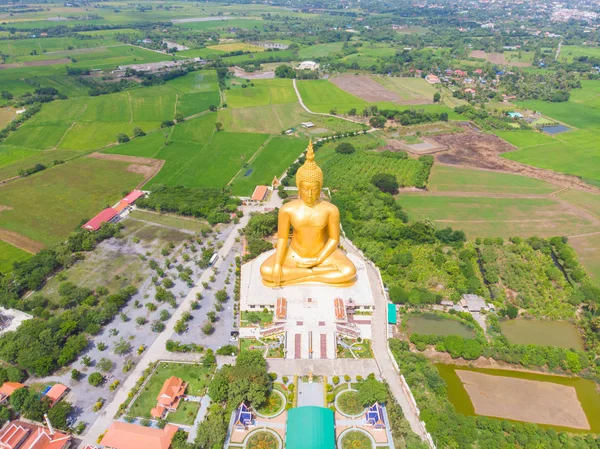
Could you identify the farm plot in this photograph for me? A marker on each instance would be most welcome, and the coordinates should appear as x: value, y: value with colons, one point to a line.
x: 343, y: 170
x: 501, y: 59
x: 499, y: 217
x: 524, y: 400
x: 236, y: 46
x: 364, y: 87
x: 76, y: 191
x: 410, y: 90
x: 446, y: 178
x: 271, y: 161
x: 14, y: 159
x: 320, y: 50
x: 264, y: 92
x: 570, y: 52
x: 587, y: 247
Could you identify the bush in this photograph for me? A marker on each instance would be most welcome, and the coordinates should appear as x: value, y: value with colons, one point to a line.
x: 385, y: 182
x: 345, y: 148
x: 95, y: 379
x: 122, y: 138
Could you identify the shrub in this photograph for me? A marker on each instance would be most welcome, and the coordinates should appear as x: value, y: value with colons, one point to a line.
x: 95, y: 379
x: 345, y: 148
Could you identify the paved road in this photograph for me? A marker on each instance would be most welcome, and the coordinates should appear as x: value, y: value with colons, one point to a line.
x: 380, y: 350
x: 157, y: 351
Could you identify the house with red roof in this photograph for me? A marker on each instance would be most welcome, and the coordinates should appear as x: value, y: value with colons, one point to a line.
x: 105, y: 216
x: 7, y: 389
x: 122, y: 435
x: 260, y: 193
x: 169, y: 397
x: 25, y: 435
x: 56, y: 393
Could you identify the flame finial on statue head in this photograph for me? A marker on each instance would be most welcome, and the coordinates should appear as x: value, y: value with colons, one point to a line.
x: 310, y: 171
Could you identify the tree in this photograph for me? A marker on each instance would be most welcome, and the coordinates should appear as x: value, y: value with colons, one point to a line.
x: 75, y: 374
x: 209, y: 360
x: 167, y: 123
x: 437, y: 97
x: 385, y: 182
x: 222, y: 295
x: 345, y: 148
x: 138, y: 132
x: 208, y: 328
x: 59, y: 413
x: 377, y: 121
x: 95, y: 379
x: 105, y: 365
x: 123, y: 138
x: 219, y: 126
x: 179, y: 117
x: 122, y: 347
x: 285, y: 71
x: 371, y: 391
x: 6, y: 95
x: 212, y: 108
x: 512, y: 312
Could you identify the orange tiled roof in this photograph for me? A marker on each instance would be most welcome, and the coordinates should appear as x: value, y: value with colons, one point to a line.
x: 122, y: 435
x: 56, y: 392
x: 169, y: 395
x: 259, y: 193
x: 25, y: 435
x: 281, y: 309
x: 9, y: 388
x: 121, y: 206
x: 340, y: 310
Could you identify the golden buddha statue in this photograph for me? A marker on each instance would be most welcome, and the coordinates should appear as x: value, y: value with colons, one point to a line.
x: 313, y: 256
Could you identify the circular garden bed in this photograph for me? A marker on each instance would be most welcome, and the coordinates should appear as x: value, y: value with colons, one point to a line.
x: 348, y: 404
x: 355, y: 439
x: 262, y: 440
x: 273, y: 406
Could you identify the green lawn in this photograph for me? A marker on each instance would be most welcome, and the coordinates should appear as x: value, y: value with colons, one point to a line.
x: 497, y: 217
x: 197, y: 377
x: 271, y: 161
x: 570, y: 52
x: 10, y: 254
x: 48, y: 205
x: 445, y: 178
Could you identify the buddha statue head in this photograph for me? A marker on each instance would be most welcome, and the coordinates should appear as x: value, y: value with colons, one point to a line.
x: 309, y: 178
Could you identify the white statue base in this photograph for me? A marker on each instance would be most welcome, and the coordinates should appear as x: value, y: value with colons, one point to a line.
x: 310, y: 317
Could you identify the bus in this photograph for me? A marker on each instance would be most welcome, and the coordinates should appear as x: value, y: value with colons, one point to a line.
x: 213, y: 259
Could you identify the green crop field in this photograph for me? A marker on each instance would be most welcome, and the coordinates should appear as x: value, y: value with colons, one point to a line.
x: 320, y: 51
x: 587, y: 247
x: 10, y: 255
x: 585, y: 200
x: 575, y: 152
x: 570, y: 52
x: 88, y: 123
x: 49, y: 47
x: 409, y: 89
x: 222, y: 24
x: 264, y: 92
x: 322, y: 96
x: 271, y: 161
x: 14, y: 159
x: 444, y: 178
x: 76, y: 190
x: 236, y: 46
x: 493, y: 217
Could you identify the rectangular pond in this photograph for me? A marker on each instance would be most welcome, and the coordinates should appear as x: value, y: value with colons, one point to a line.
x: 437, y: 325
x: 563, y: 403
x: 560, y: 334
x: 557, y: 129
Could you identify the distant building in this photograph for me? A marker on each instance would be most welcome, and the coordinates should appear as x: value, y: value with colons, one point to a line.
x: 432, y: 79
x: 474, y: 303
x: 169, y: 397
x: 25, y: 435
x: 515, y: 115
x: 307, y: 125
x: 122, y: 435
x: 112, y: 213
x: 308, y: 65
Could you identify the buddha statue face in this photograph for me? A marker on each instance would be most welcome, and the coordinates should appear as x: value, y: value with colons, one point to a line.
x: 309, y: 191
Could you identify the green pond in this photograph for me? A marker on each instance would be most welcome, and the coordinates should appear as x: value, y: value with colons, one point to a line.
x: 433, y: 324
x: 587, y: 391
x: 561, y: 334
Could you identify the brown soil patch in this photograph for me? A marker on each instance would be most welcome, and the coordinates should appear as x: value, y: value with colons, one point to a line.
x: 146, y: 166
x: 2, y: 207
x: 475, y: 149
x: 20, y: 241
x: 496, y: 58
x: 524, y: 400
x: 364, y: 87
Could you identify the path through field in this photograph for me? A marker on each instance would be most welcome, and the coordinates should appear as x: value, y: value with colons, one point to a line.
x: 20, y: 241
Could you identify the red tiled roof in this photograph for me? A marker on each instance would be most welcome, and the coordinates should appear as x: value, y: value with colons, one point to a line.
x: 122, y: 435
x: 56, y: 392
x: 340, y: 310
x: 281, y: 309
x: 259, y: 193
x: 104, y: 216
x: 25, y: 435
x: 134, y: 195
